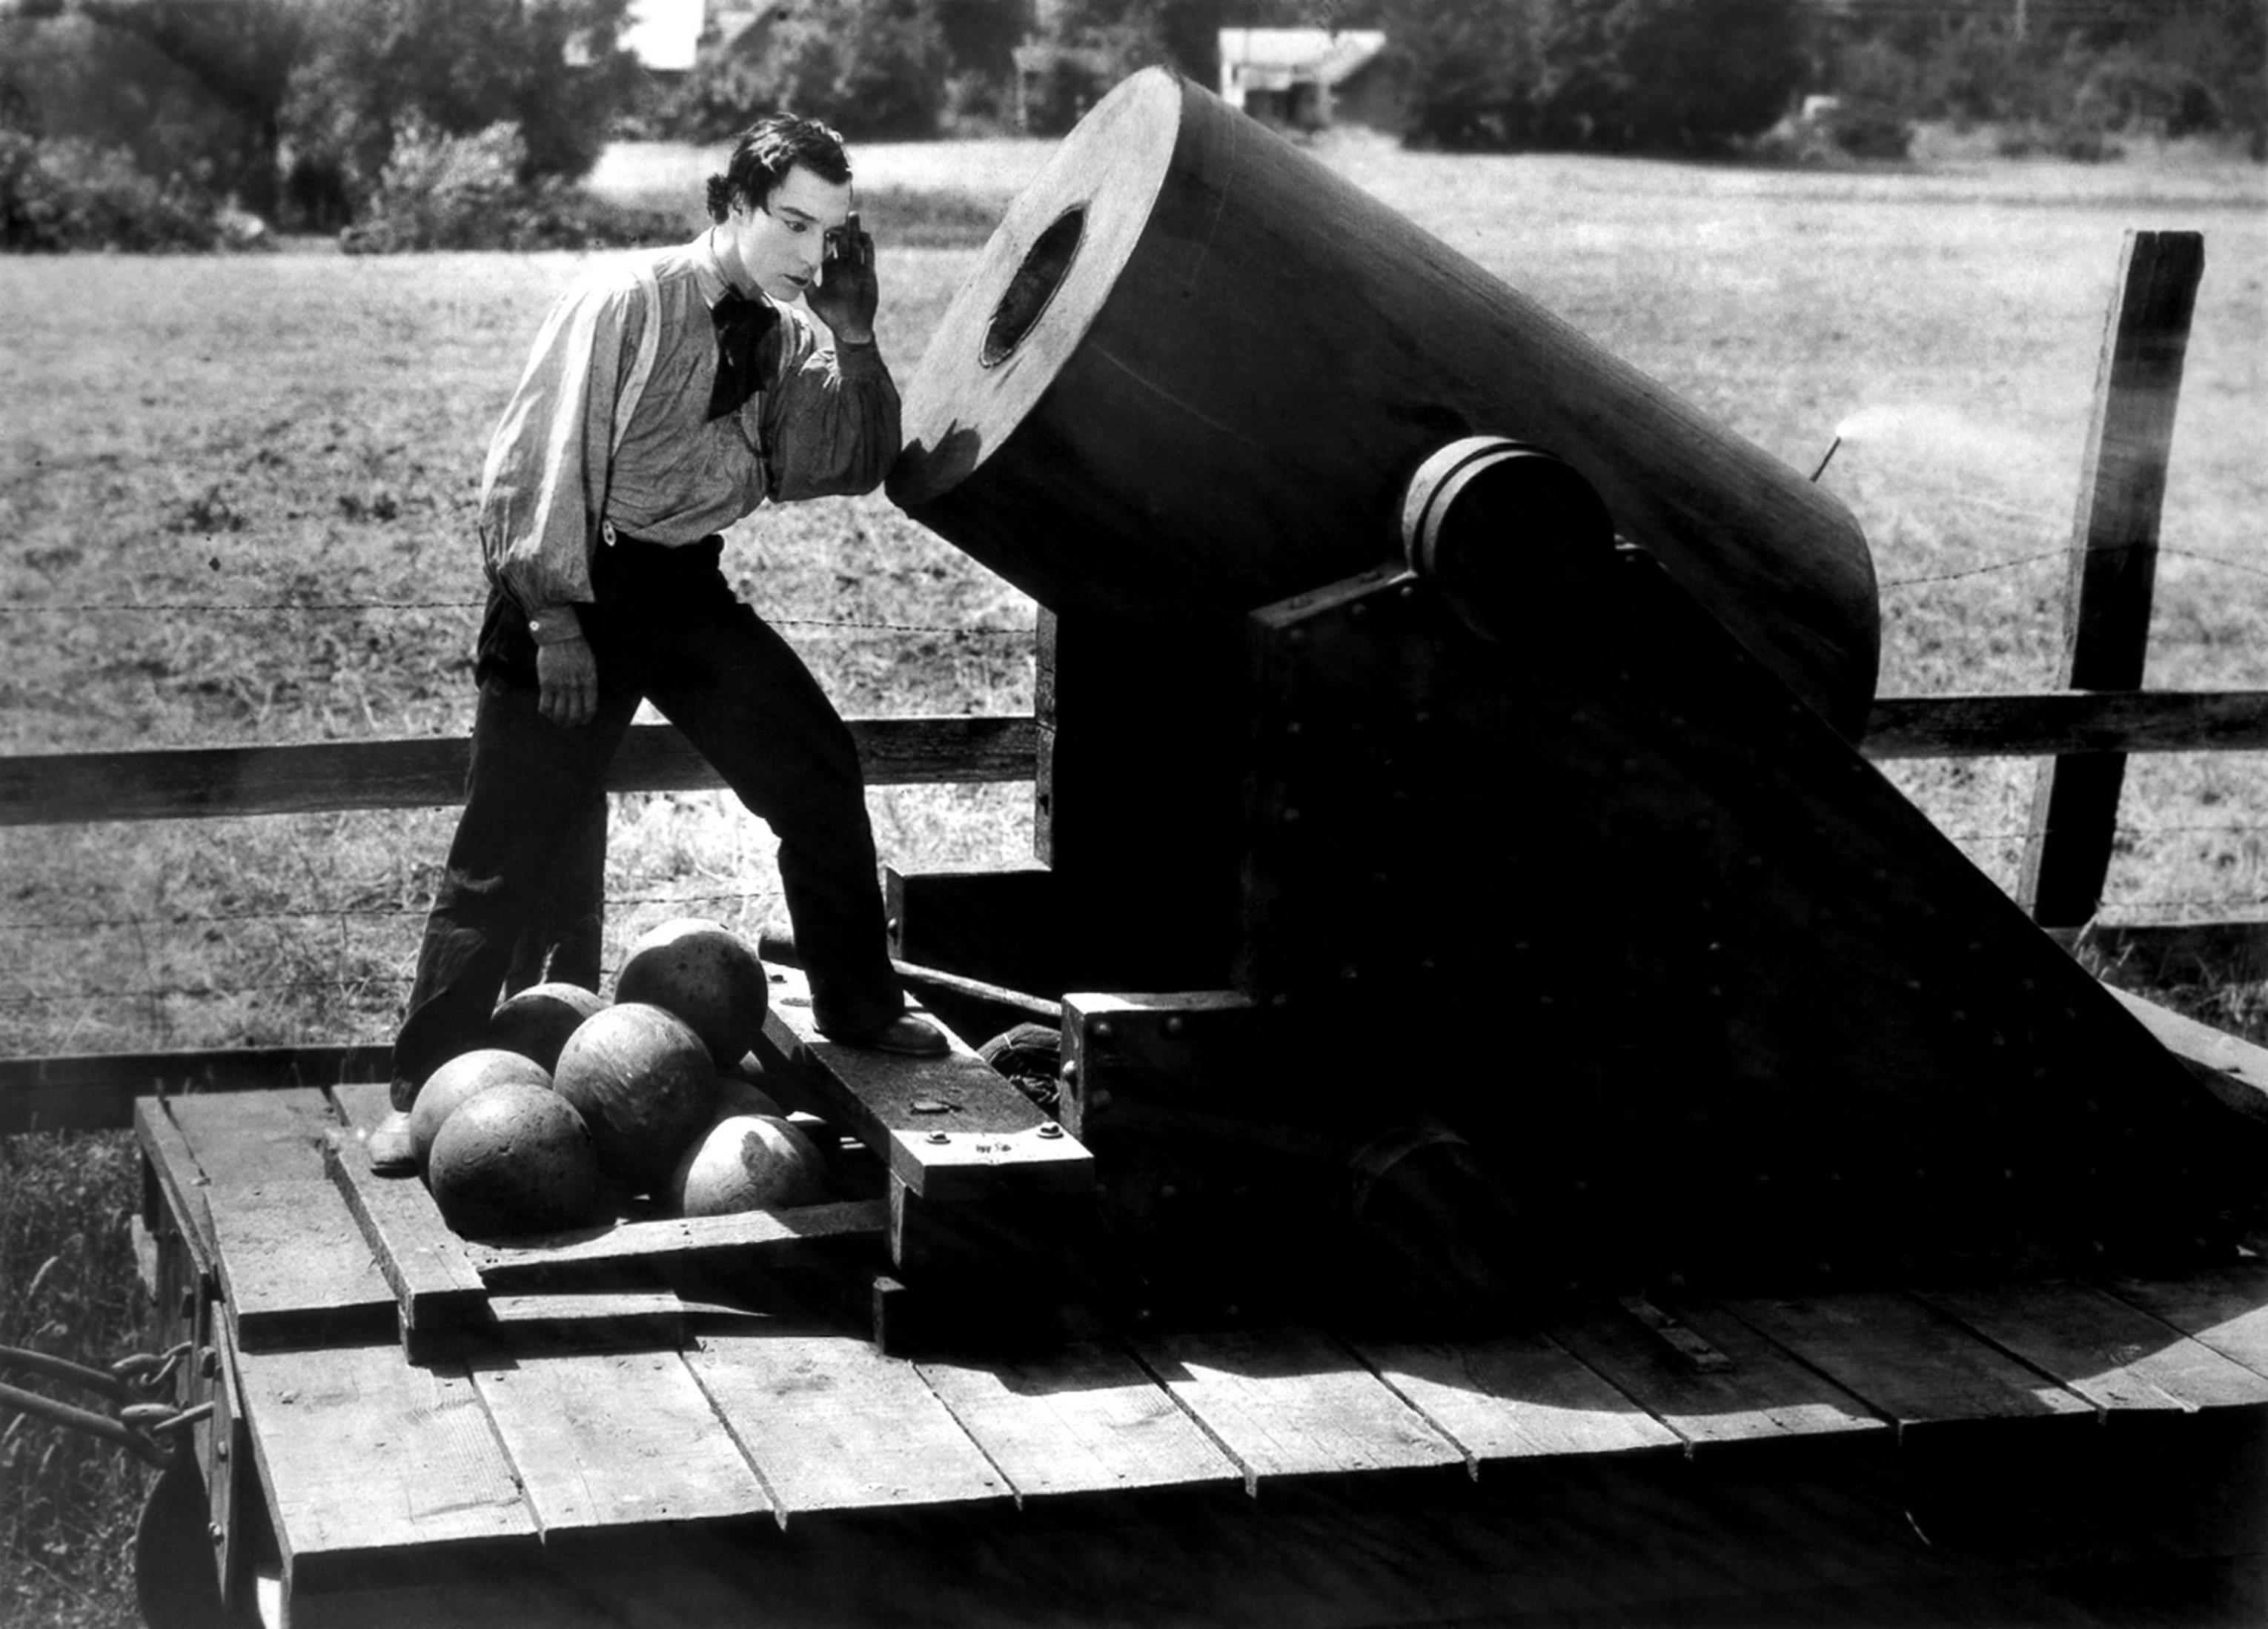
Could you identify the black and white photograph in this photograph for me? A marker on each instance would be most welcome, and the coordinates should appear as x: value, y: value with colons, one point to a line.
x: 1134, y: 814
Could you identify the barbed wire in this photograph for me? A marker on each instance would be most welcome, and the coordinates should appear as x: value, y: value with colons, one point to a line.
x: 240, y: 607
x: 332, y: 607
x: 2015, y: 561
x: 1975, y: 571
x: 326, y: 913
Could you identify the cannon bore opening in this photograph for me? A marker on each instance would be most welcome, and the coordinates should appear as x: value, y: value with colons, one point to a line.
x: 1033, y: 286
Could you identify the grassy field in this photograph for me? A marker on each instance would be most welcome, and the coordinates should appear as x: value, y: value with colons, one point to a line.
x: 237, y: 495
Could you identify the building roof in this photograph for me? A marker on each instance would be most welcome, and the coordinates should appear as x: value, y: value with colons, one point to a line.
x: 1260, y: 56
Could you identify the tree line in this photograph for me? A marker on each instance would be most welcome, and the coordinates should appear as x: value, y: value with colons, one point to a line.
x: 119, y: 117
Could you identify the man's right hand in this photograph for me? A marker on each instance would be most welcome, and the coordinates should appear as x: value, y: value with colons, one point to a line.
x: 569, y: 676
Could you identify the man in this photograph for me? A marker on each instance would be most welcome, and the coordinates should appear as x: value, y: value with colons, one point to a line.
x: 669, y: 394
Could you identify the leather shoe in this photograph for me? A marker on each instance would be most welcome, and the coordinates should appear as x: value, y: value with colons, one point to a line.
x: 391, y: 1154
x: 908, y: 1035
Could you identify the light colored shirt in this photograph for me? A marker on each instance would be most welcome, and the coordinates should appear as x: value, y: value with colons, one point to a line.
x: 823, y: 422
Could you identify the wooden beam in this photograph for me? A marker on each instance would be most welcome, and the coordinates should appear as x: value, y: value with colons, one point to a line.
x: 96, y: 1091
x: 952, y: 1128
x: 62, y: 788
x: 2040, y: 723
x: 2114, y: 557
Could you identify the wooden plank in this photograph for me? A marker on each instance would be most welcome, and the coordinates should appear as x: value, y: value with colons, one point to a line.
x: 1085, y: 1418
x: 249, y: 1138
x: 439, y: 1295
x: 829, y: 1424
x: 1915, y: 1366
x: 2225, y: 1307
x: 600, y: 1438
x: 1293, y: 1402
x: 952, y: 1128
x: 96, y: 1091
x: 2113, y: 555
x: 363, y: 1105
x: 1513, y: 1396
x: 314, y: 777
x: 2116, y: 1357
x: 295, y: 1267
x: 365, y: 1457
x: 174, y: 1165
x: 2234, y: 1069
x: 780, y: 1238
x: 2040, y: 723
x: 1763, y: 1395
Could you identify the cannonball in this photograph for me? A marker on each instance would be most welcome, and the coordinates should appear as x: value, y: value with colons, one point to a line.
x: 746, y: 1162
x: 736, y: 1093
x: 645, y: 1082
x: 448, y: 1088
x: 537, y: 1021
x: 516, y: 1159
x: 705, y: 974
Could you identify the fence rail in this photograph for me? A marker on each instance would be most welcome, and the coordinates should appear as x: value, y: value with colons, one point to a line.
x: 320, y: 777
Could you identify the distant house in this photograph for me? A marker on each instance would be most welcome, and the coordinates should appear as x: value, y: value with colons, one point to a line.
x: 1310, y: 78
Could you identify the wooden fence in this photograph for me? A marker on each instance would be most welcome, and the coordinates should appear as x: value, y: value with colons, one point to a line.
x: 2086, y: 729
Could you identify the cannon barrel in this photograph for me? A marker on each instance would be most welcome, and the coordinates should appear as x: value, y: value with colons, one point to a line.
x: 1195, y: 370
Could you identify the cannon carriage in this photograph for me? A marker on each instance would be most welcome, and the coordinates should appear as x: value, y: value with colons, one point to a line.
x: 1515, y: 1120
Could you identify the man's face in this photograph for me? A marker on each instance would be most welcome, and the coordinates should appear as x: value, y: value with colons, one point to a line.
x: 781, y: 245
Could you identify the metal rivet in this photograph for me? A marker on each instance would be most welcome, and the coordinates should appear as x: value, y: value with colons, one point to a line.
x: 1050, y: 1129
x: 938, y: 1137
x: 1176, y: 1025
x: 1102, y: 1029
x: 1068, y: 1073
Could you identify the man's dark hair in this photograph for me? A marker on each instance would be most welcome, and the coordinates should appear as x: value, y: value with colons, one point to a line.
x: 771, y: 148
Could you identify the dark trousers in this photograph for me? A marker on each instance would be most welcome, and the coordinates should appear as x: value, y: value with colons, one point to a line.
x: 521, y: 888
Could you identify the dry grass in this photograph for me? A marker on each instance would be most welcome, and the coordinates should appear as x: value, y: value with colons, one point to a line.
x: 299, y: 434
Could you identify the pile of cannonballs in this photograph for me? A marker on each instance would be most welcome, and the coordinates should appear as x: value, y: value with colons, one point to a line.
x: 577, y: 1102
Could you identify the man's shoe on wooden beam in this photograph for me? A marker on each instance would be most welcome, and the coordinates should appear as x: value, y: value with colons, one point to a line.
x: 908, y: 1035
x: 392, y: 1153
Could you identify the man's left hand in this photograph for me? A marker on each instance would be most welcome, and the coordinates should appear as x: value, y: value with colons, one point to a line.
x: 847, y: 294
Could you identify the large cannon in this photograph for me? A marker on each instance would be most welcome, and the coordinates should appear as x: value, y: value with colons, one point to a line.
x: 1448, y: 768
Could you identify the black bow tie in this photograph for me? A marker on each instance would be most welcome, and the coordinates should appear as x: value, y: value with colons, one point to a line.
x: 742, y: 325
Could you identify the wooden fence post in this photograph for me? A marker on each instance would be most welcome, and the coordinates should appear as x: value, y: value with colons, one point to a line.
x: 2114, y: 557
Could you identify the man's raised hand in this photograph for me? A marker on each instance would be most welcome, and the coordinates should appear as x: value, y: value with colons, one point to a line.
x: 847, y: 294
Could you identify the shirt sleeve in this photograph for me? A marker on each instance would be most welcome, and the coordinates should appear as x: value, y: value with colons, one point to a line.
x: 543, y: 486
x: 830, y: 419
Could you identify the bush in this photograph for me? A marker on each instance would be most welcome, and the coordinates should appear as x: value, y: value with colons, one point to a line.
x: 377, y: 72
x: 1618, y: 75
x: 1869, y: 129
x: 58, y: 195
x: 462, y: 191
